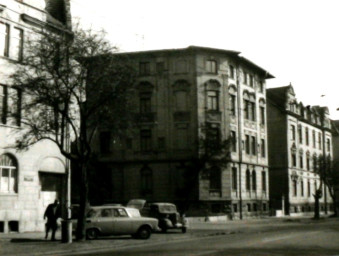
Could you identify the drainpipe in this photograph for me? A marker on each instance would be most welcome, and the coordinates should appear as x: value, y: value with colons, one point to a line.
x: 239, y: 111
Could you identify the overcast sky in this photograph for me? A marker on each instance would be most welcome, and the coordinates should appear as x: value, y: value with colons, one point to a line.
x: 295, y: 40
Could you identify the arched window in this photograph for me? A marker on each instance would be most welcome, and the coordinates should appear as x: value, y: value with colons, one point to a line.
x: 254, y: 180
x: 146, y: 175
x: 8, y: 174
x: 248, y: 180
x: 215, y: 178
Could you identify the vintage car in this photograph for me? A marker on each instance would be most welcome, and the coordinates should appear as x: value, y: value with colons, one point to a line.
x: 166, y: 213
x: 118, y: 220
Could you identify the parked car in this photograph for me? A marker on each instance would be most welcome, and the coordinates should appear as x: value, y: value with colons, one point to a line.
x: 166, y: 213
x: 118, y: 220
x: 168, y: 216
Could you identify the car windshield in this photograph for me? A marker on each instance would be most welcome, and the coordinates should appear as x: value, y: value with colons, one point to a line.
x: 167, y: 208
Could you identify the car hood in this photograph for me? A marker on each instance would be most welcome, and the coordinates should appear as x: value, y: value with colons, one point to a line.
x: 136, y: 203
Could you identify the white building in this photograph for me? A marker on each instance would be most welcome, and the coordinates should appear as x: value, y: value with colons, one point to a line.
x: 31, y: 179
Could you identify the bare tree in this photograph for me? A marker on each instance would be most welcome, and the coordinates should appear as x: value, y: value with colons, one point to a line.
x: 212, y: 152
x: 72, y: 85
x: 329, y: 176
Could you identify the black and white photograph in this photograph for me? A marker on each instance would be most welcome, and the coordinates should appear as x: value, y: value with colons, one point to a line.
x: 170, y: 128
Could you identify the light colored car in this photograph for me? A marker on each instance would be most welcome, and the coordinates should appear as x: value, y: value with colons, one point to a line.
x: 118, y: 220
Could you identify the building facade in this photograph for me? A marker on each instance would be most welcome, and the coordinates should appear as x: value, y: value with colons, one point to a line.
x: 179, y: 93
x: 29, y: 180
x: 299, y: 136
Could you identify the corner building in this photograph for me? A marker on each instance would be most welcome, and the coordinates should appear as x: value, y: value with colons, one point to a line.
x: 298, y: 137
x: 29, y: 180
x: 178, y: 92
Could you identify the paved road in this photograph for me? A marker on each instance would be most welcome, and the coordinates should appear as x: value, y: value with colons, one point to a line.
x: 308, y: 240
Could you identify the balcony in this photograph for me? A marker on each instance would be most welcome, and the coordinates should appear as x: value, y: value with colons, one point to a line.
x: 213, y: 116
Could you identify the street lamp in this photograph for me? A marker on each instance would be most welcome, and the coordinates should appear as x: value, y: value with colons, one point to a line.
x: 66, y: 224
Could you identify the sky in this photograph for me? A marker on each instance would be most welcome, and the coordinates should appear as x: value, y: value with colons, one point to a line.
x: 297, y: 41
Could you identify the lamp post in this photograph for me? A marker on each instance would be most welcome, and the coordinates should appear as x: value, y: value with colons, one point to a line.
x: 66, y: 224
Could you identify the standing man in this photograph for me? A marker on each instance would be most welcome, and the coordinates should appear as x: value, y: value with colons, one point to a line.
x: 52, y: 213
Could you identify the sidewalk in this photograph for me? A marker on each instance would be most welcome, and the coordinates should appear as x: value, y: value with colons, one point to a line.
x: 35, y: 244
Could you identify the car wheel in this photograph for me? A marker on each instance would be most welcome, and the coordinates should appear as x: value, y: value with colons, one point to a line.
x: 92, y: 234
x: 184, y: 230
x: 144, y: 233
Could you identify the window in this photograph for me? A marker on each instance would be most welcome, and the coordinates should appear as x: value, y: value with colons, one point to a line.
x: 300, y: 134
x: 254, y: 145
x: 211, y: 66
x: 255, y: 207
x: 262, y: 115
x: 246, y: 109
x: 251, y: 81
x: 313, y: 138
x: 308, y: 162
x: 253, y: 111
x: 245, y: 77
x: 263, y: 148
x: 146, y: 177
x: 14, y: 106
x: 145, y: 103
x: 301, y: 160
x: 248, y: 207
x: 247, y: 144
x: 254, y: 180
x: 160, y: 67
x: 294, y: 187
x: 308, y: 189
x: 145, y: 140
x: 144, y: 68
x: 315, y: 186
x: 215, y: 178
x: 263, y: 181
x: 248, y: 180
x: 232, y: 73
x: 315, y: 163
x: 307, y: 136
x: 293, y: 132
x: 4, y: 39
x: 319, y: 140
x: 234, y: 178
x: 181, y: 100
x: 17, y: 42
x: 3, y: 103
x: 233, y: 141
x: 328, y: 143
x: 105, y: 142
x: 302, y: 188
x: 233, y: 104
x: 212, y: 100
x: 8, y: 174
x: 235, y: 208
x: 294, y: 159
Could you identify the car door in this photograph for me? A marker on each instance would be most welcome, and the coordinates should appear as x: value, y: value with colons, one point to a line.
x: 104, y: 221
x: 122, y: 222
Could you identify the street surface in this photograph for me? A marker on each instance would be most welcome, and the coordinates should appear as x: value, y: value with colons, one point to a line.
x: 308, y: 241
x: 268, y: 236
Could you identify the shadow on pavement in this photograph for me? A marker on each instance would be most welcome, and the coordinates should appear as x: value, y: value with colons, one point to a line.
x: 28, y: 240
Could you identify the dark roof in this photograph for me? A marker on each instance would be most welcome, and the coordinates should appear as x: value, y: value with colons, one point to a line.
x: 193, y: 48
x: 278, y: 95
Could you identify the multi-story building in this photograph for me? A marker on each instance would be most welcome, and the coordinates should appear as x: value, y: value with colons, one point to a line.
x: 180, y: 91
x: 298, y: 136
x: 31, y: 179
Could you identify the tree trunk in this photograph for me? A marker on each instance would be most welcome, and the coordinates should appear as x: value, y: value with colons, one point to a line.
x: 317, y: 196
x: 81, y: 231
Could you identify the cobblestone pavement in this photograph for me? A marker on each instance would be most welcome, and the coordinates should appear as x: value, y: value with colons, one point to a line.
x: 35, y: 244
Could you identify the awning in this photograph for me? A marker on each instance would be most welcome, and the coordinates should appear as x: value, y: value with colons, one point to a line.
x: 52, y: 164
